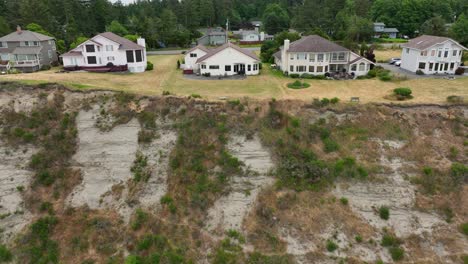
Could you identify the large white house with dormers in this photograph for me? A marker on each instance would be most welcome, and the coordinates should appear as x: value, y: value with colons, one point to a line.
x: 107, y: 52
x: 318, y: 56
x: 431, y: 55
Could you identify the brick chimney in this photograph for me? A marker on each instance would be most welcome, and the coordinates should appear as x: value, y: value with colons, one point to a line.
x: 18, y: 29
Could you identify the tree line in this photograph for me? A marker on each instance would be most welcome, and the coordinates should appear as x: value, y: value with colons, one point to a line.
x: 175, y: 22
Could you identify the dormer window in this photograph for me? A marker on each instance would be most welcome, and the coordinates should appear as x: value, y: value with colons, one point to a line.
x: 90, y: 48
x: 31, y: 43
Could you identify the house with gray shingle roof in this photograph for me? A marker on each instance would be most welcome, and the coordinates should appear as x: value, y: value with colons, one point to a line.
x: 226, y: 60
x: 318, y: 56
x: 432, y: 55
x: 107, y: 52
x: 381, y: 29
x: 27, y: 51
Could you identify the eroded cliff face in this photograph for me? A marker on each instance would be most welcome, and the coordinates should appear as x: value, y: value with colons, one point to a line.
x: 185, y: 180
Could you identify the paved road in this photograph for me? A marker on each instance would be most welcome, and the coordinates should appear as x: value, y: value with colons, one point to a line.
x: 177, y: 52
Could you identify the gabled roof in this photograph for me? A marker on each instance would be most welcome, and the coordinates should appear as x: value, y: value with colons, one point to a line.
x: 226, y: 46
x: 200, y: 47
x: 391, y: 30
x: 426, y: 41
x: 358, y: 59
x: 125, y: 44
x: 379, y: 24
x: 25, y: 35
x: 314, y: 43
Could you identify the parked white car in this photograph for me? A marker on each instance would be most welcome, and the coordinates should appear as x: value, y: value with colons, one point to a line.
x: 393, y: 60
x: 397, y: 63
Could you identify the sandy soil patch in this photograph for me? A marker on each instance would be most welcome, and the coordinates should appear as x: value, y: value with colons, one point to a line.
x: 105, y: 159
x: 229, y: 211
x: 13, y: 174
x: 158, y: 153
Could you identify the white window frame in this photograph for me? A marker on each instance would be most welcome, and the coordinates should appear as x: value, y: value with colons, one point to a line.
x: 109, y: 48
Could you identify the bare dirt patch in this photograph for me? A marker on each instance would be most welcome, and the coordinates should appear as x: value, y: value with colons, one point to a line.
x: 105, y: 159
x: 229, y: 211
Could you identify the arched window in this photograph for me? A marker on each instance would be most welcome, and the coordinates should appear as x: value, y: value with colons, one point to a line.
x: 362, y: 66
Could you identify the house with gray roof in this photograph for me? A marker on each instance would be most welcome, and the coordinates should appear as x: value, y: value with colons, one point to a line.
x: 380, y: 29
x: 318, y: 56
x: 27, y: 51
x: 212, y: 37
x: 432, y: 55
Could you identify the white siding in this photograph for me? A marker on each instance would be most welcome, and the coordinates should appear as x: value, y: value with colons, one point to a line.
x: 229, y: 56
x: 433, y: 56
x: 105, y: 52
x: 190, y: 62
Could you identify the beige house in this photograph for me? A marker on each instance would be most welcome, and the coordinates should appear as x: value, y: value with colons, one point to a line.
x: 318, y: 56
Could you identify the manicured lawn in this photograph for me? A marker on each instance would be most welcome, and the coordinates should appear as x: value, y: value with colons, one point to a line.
x: 269, y: 84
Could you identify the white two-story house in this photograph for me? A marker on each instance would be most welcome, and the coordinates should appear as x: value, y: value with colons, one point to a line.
x: 318, y: 56
x: 107, y: 52
x: 431, y: 55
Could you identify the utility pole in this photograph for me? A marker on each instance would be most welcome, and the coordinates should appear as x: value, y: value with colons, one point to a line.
x: 227, y: 30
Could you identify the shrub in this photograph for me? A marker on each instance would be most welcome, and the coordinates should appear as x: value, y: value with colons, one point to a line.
x: 384, y: 212
x: 294, y: 75
x: 460, y: 71
x: 358, y: 238
x: 45, y: 67
x: 331, y: 246
x: 5, y: 254
x: 195, y: 96
x: 397, y: 253
x: 419, y: 72
x: 334, y: 100
x: 389, y: 241
x: 455, y: 99
x: 344, y: 200
x: 464, y: 228
x: 330, y: 145
x: 298, y: 85
x: 140, y: 218
x: 403, y: 93
x: 149, y: 66
x: 325, y: 101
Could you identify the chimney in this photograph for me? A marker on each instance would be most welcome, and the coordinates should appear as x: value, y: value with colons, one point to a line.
x: 18, y: 29
x: 257, y: 27
x: 141, y: 41
x: 284, y: 59
x: 262, y: 36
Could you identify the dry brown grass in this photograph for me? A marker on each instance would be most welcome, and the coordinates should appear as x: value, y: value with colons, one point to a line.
x: 387, y: 54
x: 166, y: 77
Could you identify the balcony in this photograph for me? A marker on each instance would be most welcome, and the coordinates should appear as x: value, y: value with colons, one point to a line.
x: 25, y: 63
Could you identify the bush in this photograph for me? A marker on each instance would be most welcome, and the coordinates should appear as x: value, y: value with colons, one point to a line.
x: 5, y: 254
x: 45, y: 67
x: 455, y: 99
x: 403, y: 93
x: 331, y: 246
x: 397, y: 253
x: 358, y: 238
x: 344, y: 200
x: 298, y: 85
x: 149, y: 66
x: 384, y: 212
x: 294, y: 75
x: 464, y: 228
x: 460, y: 71
x: 419, y: 72
x: 334, y: 100
x: 330, y: 145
